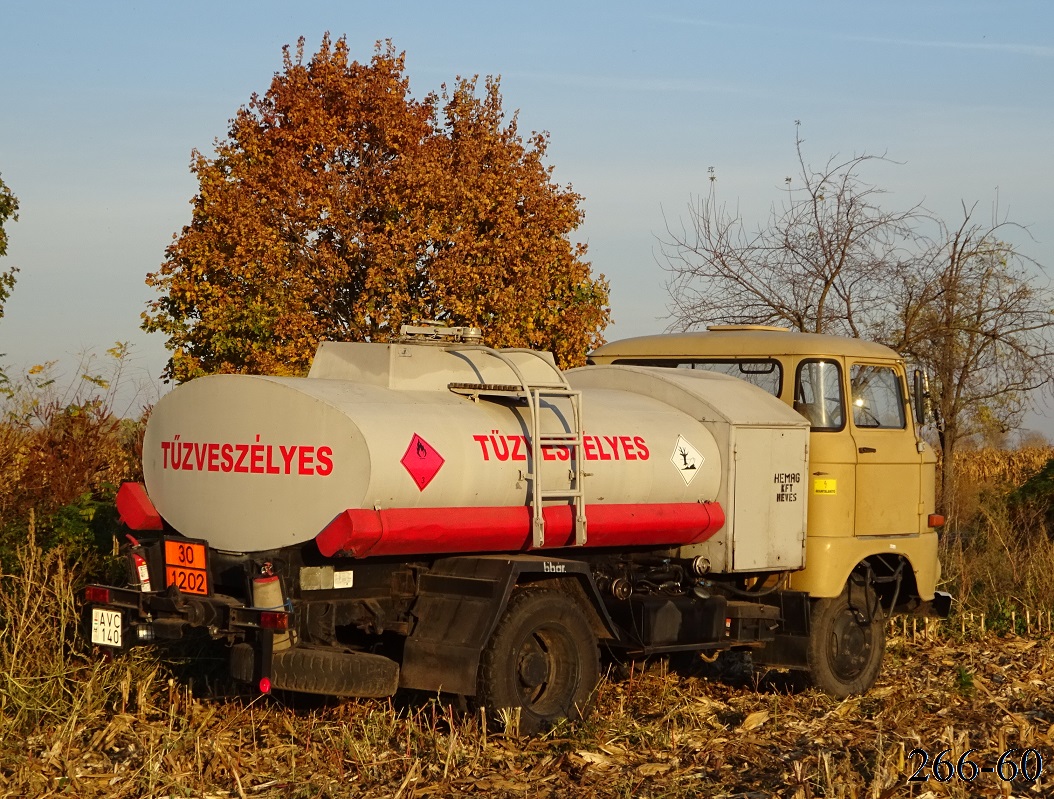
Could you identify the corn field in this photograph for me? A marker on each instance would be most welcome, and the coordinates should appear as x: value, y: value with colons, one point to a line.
x: 1000, y: 467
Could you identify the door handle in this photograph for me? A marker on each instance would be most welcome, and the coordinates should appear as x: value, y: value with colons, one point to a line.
x: 865, y: 450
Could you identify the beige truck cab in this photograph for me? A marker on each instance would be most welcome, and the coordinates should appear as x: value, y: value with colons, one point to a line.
x: 871, y: 507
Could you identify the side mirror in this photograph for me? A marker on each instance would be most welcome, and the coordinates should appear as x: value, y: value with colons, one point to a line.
x: 920, y: 396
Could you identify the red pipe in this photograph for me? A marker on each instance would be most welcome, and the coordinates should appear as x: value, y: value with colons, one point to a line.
x: 360, y: 532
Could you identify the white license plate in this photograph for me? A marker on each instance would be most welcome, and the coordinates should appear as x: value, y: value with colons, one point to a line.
x: 106, y: 627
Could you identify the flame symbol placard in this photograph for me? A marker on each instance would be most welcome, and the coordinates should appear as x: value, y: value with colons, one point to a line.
x: 421, y: 462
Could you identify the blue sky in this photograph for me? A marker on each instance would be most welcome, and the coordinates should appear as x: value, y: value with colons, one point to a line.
x: 101, y: 104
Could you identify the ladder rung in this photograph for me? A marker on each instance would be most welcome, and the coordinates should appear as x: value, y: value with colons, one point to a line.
x: 556, y: 492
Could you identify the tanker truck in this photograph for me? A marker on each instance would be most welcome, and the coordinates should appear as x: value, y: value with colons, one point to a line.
x: 437, y: 515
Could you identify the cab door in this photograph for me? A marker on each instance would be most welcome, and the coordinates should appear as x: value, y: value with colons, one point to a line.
x: 889, y: 464
x: 819, y: 396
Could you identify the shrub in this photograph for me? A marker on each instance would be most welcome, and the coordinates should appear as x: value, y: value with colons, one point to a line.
x: 63, y: 453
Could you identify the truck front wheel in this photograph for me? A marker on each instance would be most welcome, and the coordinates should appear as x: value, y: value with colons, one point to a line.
x: 847, y: 640
x: 542, y: 659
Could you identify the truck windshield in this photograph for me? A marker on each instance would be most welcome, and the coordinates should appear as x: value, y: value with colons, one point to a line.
x: 764, y: 373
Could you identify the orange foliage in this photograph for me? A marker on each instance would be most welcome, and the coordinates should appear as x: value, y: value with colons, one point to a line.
x: 339, y: 208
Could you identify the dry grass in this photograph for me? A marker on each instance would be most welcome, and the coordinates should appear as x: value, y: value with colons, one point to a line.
x: 74, y: 725
x: 1004, y: 562
x: 46, y: 675
x: 999, y: 557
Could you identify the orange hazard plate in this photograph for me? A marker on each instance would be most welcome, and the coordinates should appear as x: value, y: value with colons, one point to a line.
x: 186, y: 566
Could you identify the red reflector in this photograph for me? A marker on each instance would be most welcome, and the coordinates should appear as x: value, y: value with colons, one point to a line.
x: 274, y: 620
x: 96, y: 594
x: 935, y: 520
x: 265, y: 685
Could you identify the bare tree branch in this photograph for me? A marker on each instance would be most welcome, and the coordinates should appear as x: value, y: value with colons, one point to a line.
x: 960, y: 301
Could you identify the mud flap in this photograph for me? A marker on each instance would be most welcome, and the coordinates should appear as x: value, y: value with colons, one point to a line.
x: 788, y: 648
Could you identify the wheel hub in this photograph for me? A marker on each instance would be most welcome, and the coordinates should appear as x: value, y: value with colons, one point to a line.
x: 533, y: 669
x: 850, y: 646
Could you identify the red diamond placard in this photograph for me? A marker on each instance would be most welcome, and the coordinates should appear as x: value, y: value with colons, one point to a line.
x: 421, y: 461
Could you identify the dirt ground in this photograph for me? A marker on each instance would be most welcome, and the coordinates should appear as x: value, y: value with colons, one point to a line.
x: 722, y: 731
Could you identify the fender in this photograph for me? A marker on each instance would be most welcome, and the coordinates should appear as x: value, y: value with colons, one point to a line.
x: 460, y: 602
x: 829, y: 561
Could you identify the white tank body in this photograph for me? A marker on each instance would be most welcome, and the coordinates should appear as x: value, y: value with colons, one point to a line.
x: 252, y: 463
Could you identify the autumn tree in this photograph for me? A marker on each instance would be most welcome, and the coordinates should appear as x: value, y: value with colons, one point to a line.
x: 340, y: 208
x: 958, y: 300
x: 8, y: 211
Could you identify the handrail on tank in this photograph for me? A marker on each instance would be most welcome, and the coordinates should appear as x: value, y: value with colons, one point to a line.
x: 533, y: 394
x: 500, y: 354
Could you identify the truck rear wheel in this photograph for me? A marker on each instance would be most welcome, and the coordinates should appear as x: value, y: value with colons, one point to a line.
x: 542, y: 659
x: 846, y: 642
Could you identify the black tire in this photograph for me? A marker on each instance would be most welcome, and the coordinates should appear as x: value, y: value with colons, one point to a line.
x: 542, y: 658
x: 847, y: 640
x: 334, y: 673
x: 321, y: 671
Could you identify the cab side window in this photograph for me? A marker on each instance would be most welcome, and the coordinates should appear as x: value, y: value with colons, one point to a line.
x: 877, y: 397
x: 818, y: 394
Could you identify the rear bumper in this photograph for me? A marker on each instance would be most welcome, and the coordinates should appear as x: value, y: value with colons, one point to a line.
x: 170, y: 615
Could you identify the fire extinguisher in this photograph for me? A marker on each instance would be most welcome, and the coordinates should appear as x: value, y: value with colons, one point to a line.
x: 267, y: 595
x: 139, y: 567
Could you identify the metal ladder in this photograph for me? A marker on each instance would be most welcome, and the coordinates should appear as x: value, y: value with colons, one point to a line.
x: 534, y: 394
